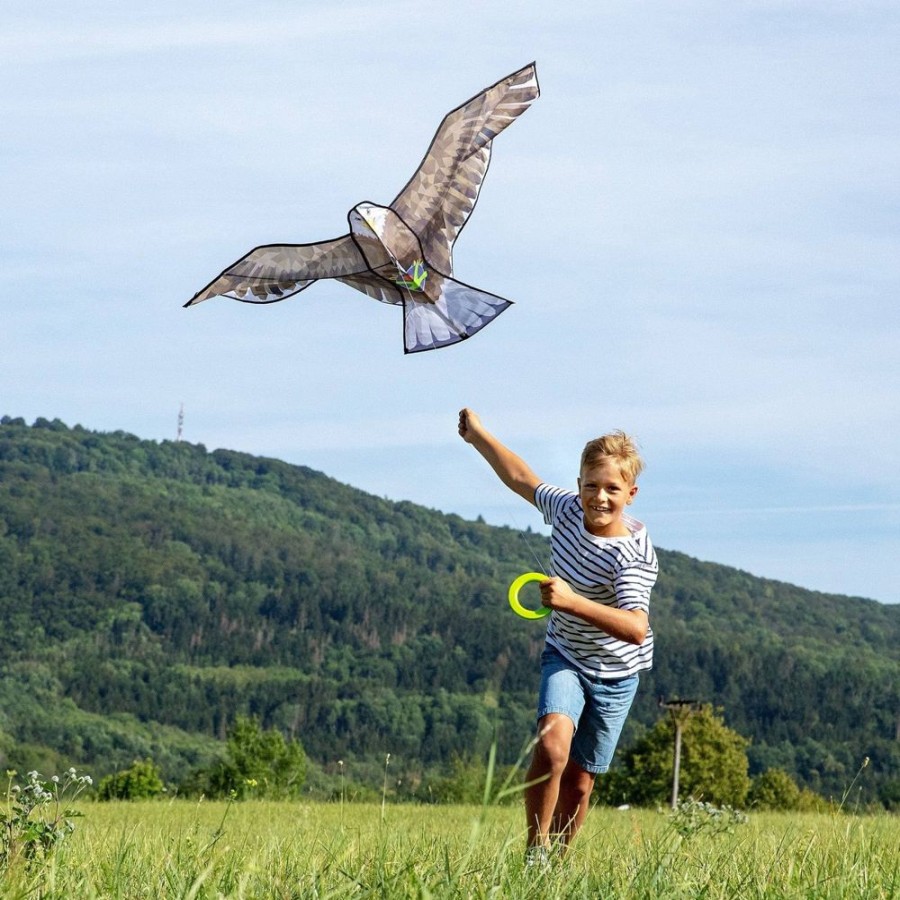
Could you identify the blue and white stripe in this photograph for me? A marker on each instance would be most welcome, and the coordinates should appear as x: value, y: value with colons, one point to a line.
x: 618, y: 571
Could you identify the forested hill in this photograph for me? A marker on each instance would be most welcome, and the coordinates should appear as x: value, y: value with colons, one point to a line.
x: 149, y: 592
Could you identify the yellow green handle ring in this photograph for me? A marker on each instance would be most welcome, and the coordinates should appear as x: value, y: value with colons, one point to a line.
x: 517, y: 607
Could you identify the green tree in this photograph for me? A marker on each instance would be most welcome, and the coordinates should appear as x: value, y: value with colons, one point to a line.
x: 889, y: 795
x: 713, y: 765
x: 466, y: 782
x: 774, y: 789
x: 142, y: 781
x: 258, y: 763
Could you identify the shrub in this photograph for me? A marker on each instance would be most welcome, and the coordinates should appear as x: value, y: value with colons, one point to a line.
x: 257, y: 764
x: 774, y: 789
x: 141, y: 782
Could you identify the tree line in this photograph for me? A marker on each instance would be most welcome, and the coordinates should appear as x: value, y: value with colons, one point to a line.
x: 152, y: 593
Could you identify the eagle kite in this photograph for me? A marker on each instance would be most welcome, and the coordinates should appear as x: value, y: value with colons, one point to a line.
x: 403, y: 253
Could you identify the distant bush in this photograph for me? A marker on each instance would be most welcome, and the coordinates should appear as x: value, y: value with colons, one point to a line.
x: 774, y: 789
x: 257, y: 763
x: 889, y: 795
x: 466, y: 780
x: 140, y: 782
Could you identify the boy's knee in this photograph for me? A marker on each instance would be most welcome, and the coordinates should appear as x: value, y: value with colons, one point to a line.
x: 555, y: 741
x: 553, y: 754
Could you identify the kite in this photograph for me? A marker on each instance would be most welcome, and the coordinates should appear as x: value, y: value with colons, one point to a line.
x: 402, y: 254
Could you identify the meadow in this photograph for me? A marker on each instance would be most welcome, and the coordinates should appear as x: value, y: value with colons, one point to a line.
x: 258, y: 849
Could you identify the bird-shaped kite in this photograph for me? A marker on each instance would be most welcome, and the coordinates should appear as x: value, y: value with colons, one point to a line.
x: 403, y: 253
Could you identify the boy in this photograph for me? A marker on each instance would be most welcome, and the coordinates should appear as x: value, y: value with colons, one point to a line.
x: 598, y: 635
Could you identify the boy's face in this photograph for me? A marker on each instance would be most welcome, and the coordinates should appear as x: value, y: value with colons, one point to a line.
x: 604, y: 495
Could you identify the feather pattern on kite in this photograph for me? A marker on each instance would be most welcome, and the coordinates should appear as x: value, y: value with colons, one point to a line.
x: 403, y: 253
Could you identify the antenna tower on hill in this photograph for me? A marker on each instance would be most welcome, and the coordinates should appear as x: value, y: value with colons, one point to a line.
x: 180, y: 422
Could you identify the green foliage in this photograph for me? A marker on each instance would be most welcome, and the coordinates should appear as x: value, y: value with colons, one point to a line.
x: 468, y: 778
x: 32, y: 698
x: 713, y: 764
x: 34, y: 821
x: 890, y: 795
x: 464, y: 783
x: 774, y: 789
x: 258, y: 763
x: 142, y: 781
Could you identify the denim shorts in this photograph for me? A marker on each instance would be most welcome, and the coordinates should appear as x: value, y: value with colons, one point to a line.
x: 598, y: 708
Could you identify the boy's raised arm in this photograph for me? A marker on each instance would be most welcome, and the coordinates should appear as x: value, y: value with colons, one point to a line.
x: 511, y: 469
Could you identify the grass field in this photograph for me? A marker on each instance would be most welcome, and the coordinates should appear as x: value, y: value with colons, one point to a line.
x: 281, y: 850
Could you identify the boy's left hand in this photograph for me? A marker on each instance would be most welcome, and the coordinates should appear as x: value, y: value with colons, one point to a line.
x: 625, y: 624
x: 556, y: 594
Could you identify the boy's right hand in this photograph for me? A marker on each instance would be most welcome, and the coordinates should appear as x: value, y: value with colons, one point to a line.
x: 469, y: 425
x: 513, y: 471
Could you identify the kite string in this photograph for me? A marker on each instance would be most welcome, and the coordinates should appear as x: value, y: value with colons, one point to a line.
x: 509, y: 507
x: 405, y: 287
x: 528, y: 544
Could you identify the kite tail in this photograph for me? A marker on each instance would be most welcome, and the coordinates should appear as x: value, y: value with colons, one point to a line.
x: 458, y: 312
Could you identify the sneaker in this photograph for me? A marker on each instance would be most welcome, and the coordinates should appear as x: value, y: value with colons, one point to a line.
x: 537, y: 858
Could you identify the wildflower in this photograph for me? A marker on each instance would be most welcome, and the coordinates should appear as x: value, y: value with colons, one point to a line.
x: 35, y: 823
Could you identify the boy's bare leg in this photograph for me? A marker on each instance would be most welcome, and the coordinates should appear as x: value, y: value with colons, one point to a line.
x: 551, y: 754
x: 573, y: 801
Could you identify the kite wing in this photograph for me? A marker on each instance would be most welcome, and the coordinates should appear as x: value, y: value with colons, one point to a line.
x: 374, y: 286
x: 437, y: 201
x: 277, y: 271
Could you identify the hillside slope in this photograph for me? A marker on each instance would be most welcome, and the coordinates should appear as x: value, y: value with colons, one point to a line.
x: 149, y: 592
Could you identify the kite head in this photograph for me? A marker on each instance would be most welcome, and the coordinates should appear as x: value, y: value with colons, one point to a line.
x: 367, y: 219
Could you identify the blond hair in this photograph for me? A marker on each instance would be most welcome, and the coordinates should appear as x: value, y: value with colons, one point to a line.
x: 618, y: 447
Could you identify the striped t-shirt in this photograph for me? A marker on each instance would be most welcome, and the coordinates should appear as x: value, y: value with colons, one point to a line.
x: 616, y: 571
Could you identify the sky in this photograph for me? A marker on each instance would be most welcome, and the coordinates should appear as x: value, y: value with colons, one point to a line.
x: 698, y: 222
